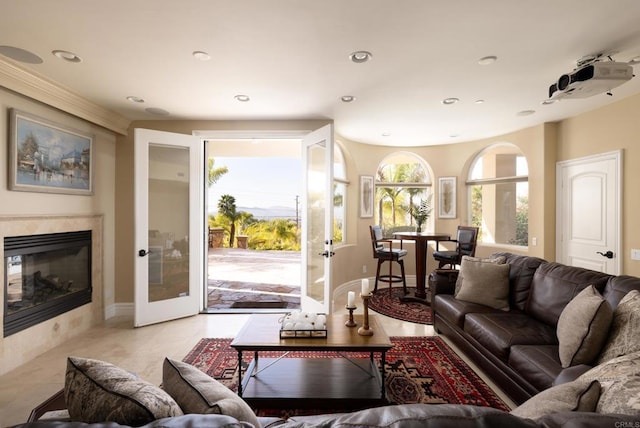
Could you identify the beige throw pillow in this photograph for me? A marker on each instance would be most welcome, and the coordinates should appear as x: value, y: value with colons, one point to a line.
x: 619, y: 379
x: 197, y: 392
x: 624, y: 336
x: 485, y: 282
x: 576, y: 396
x: 497, y: 260
x: 583, y: 327
x: 97, y: 391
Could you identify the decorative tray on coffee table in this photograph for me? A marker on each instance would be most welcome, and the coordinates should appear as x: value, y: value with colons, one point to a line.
x: 303, y: 325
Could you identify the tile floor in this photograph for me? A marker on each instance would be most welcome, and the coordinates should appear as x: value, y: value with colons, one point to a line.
x: 139, y: 350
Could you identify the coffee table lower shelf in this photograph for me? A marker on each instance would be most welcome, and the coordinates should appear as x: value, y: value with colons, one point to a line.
x: 313, y: 383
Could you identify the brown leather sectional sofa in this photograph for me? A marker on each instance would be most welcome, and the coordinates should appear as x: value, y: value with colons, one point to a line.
x: 518, y: 349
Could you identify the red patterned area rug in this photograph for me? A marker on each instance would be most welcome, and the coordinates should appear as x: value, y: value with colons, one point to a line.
x: 418, y: 370
x: 390, y: 305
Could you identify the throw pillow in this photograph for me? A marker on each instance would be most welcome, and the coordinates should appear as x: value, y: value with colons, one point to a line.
x: 623, y: 335
x: 485, y: 283
x: 495, y: 260
x: 620, y: 381
x: 576, y: 396
x: 583, y: 327
x: 97, y: 391
x: 197, y: 392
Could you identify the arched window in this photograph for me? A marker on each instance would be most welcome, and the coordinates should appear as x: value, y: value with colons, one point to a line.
x: 498, y: 187
x: 339, y: 195
x: 402, y: 182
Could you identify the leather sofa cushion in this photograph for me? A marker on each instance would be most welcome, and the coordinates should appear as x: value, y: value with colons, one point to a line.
x: 454, y: 310
x: 538, y: 364
x: 498, y: 332
x: 521, y: 273
x: 415, y: 415
x: 554, y: 285
x: 618, y: 286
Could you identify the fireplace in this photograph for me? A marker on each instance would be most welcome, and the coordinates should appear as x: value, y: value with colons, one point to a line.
x: 45, y: 276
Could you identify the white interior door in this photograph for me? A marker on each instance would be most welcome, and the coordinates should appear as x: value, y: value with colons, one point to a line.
x: 317, y: 220
x: 588, y: 212
x: 168, y: 226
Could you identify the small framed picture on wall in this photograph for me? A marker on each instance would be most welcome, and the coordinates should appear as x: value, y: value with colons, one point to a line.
x: 447, y: 197
x: 366, y: 196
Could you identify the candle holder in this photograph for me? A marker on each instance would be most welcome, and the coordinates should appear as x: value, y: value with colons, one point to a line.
x: 350, y: 322
x: 365, y: 330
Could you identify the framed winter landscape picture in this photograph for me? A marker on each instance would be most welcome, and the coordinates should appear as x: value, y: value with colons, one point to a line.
x: 48, y: 157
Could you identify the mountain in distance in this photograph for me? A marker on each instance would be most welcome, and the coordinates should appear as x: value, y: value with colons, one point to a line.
x: 270, y: 213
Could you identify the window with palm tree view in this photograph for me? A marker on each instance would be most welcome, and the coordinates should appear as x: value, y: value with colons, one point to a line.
x: 402, y: 184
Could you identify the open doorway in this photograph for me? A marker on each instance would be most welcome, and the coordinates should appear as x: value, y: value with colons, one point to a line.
x: 253, y: 216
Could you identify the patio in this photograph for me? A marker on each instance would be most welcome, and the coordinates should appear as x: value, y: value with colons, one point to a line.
x: 243, y: 280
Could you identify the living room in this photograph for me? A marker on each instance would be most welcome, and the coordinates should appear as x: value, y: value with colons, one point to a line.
x: 604, y: 129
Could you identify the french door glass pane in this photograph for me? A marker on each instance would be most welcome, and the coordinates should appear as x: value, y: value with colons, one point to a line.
x: 168, y: 222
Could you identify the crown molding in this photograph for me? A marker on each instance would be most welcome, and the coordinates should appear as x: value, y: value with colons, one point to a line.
x: 32, y: 85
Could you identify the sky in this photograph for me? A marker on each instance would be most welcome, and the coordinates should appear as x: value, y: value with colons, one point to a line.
x: 258, y: 182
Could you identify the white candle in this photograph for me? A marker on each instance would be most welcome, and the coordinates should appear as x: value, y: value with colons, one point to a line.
x: 351, y: 299
x: 365, y: 287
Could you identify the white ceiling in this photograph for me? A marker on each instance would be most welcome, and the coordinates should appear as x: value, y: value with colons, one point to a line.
x: 291, y: 57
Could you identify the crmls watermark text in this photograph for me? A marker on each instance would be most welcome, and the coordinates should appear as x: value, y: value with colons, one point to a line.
x: 627, y: 424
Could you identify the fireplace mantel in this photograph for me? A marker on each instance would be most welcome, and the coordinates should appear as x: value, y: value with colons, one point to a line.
x: 25, y: 345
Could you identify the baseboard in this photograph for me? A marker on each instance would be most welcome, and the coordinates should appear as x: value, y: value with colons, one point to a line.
x: 119, y: 310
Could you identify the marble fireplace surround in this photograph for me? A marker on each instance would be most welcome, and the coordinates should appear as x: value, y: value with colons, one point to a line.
x: 25, y: 345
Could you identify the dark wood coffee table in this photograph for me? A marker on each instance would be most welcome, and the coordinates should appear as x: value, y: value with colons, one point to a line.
x: 312, y: 382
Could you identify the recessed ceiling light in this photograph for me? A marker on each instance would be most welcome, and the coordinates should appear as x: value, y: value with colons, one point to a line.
x: 479, y: 101
x: 386, y: 134
x: 548, y: 102
x: 157, y: 111
x: 242, y: 98
x: 347, y: 98
x: 525, y: 113
x: 66, y: 55
x: 20, y: 55
x: 201, y: 56
x: 360, y: 56
x: 135, y: 99
x: 449, y: 101
x: 454, y: 135
x: 487, y: 60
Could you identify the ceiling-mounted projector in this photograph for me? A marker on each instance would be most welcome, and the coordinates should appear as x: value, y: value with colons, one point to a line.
x: 591, y: 79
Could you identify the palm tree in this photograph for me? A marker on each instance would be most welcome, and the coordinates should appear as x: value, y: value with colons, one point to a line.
x: 214, y: 174
x: 227, y: 208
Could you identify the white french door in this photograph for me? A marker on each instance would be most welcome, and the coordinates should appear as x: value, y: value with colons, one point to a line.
x: 589, y: 212
x: 168, y: 226
x: 317, y: 220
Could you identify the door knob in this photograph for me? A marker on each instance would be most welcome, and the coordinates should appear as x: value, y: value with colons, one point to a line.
x: 143, y: 253
x: 607, y: 254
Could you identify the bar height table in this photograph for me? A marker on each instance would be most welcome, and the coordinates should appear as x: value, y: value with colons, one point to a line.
x: 422, y: 240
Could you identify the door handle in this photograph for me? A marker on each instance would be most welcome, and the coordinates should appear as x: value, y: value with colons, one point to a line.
x: 607, y: 254
x: 327, y: 254
x: 142, y: 253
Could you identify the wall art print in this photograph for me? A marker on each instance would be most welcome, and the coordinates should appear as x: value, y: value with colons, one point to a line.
x: 447, y: 200
x: 48, y: 157
x: 366, y: 196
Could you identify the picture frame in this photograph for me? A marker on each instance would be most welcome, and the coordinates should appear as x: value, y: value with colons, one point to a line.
x: 447, y: 197
x: 366, y: 196
x: 48, y: 157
